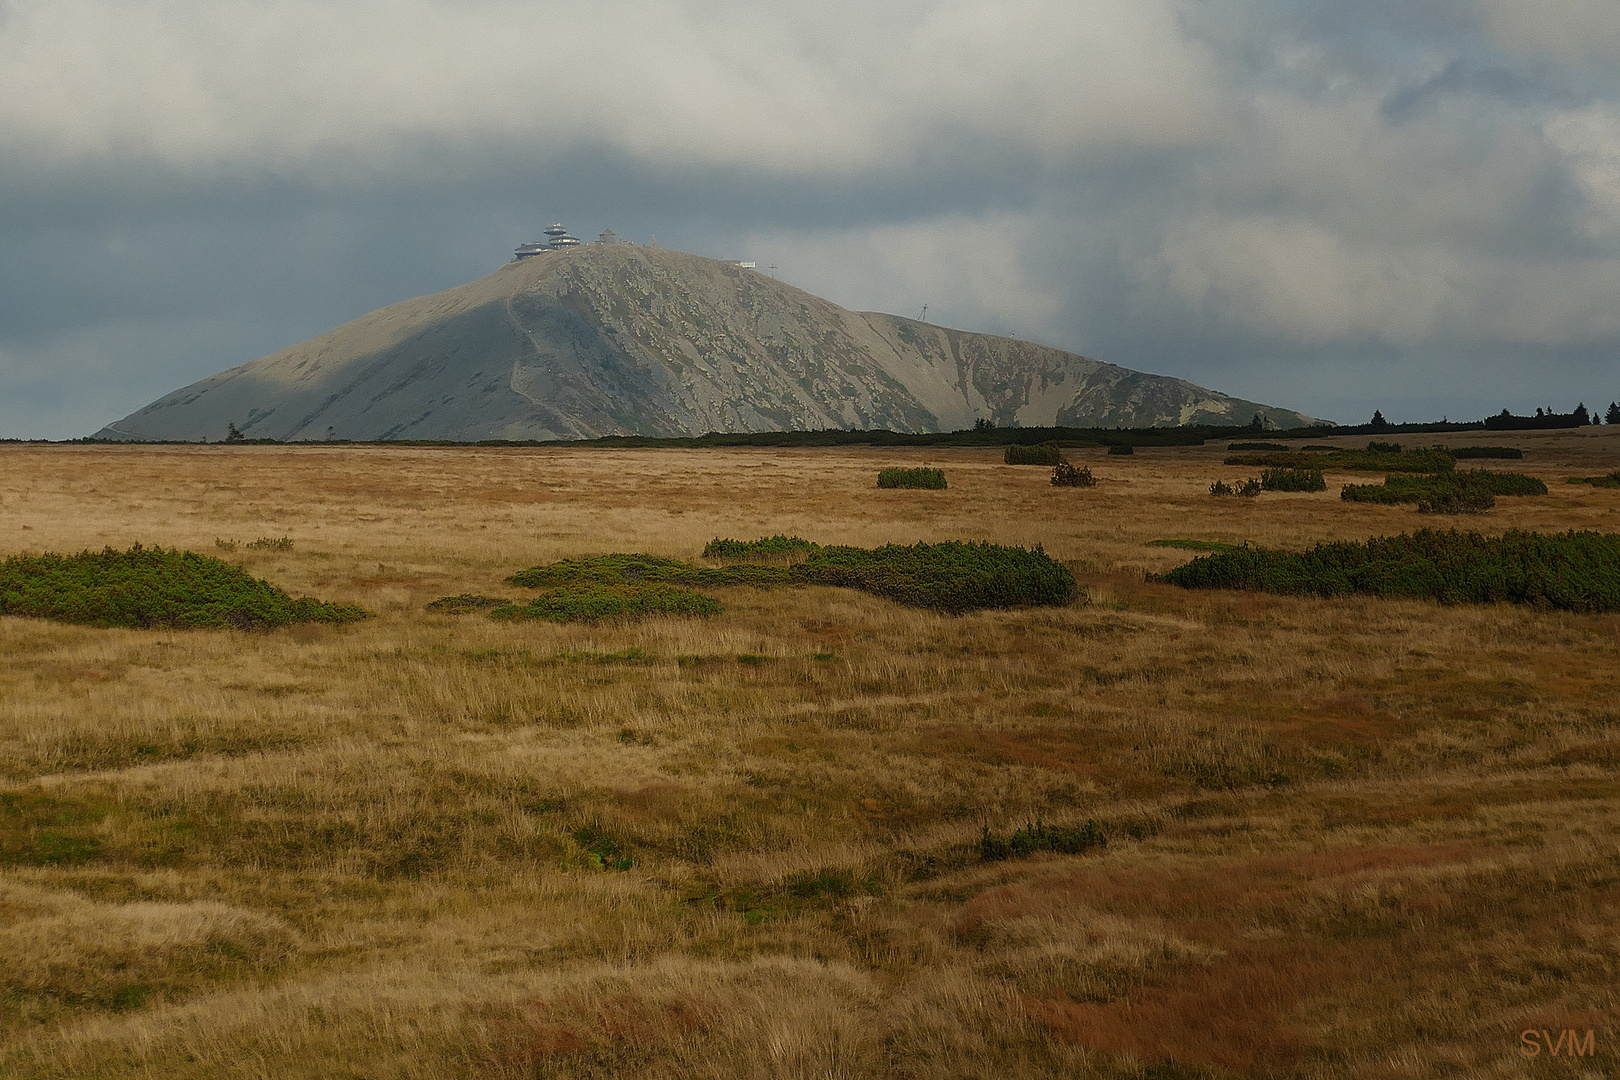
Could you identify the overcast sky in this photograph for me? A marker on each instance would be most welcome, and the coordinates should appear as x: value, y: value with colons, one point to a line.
x: 1328, y: 205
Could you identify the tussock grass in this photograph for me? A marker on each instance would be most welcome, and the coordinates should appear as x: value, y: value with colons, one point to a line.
x: 386, y: 849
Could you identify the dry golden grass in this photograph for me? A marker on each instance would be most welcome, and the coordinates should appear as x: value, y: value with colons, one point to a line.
x: 1355, y: 838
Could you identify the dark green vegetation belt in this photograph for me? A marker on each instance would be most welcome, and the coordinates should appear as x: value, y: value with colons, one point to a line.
x: 953, y: 577
x: 1573, y: 571
x: 145, y: 588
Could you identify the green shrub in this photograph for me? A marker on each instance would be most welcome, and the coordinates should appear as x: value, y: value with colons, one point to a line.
x: 1467, y: 488
x: 1121, y: 448
x: 770, y: 547
x: 594, y: 601
x: 601, y: 850
x: 1247, y: 489
x: 1506, y: 452
x: 1575, y: 571
x: 1046, y: 453
x: 951, y: 576
x: 1256, y: 446
x: 644, y: 569
x: 1041, y: 837
x: 1383, y: 448
x: 1609, y: 481
x: 1067, y: 475
x: 148, y: 588
x: 932, y: 479
x: 460, y: 605
x: 1293, y: 480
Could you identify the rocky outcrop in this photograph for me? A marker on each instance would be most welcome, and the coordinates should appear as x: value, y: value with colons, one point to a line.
x: 622, y: 340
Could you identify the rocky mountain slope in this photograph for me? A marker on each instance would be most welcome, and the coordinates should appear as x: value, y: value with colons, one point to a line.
x: 608, y: 340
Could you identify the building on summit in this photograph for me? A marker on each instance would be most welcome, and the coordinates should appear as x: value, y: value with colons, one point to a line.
x: 558, y: 238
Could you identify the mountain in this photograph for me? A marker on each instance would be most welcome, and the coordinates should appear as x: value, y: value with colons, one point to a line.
x: 619, y: 339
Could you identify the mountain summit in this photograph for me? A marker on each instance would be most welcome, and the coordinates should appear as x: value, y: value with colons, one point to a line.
x: 615, y: 339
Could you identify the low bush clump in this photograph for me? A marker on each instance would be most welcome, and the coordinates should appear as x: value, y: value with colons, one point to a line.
x: 932, y: 479
x: 1573, y: 571
x: 594, y: 601
x: 1256, y: 446
x: 1046, y: 453
x: 460, y: 605
x: 1247, y: 489
x: 1467, y: 491
x: 769, y: 547
x: 952, y: 576
x: 1122, y: 448
x: 601, y: 850
x: 1506, y: 452
x: 1041, y: 837
x: 1066, y: 475
x: 1608, y: 481
x: 146, y: 588
x: 1293, y: 480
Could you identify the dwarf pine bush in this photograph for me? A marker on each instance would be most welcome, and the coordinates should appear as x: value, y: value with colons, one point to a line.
x: 952, y: 576
x: 932, y: 479
x: 146, y: 588
x: 1046, y: 453
x: 1293, y: 480
x: 769, y: 547
x: 1573, y: 571
x: 1458, y: 491
x: 1041, y: 837
x: 1066, y: 475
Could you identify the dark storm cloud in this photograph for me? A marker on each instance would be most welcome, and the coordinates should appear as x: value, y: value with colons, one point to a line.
x: 1334, y: 206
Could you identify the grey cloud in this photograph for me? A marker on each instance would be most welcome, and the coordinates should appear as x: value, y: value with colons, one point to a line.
x: 1334, y: 205
x: 1464, y: 77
